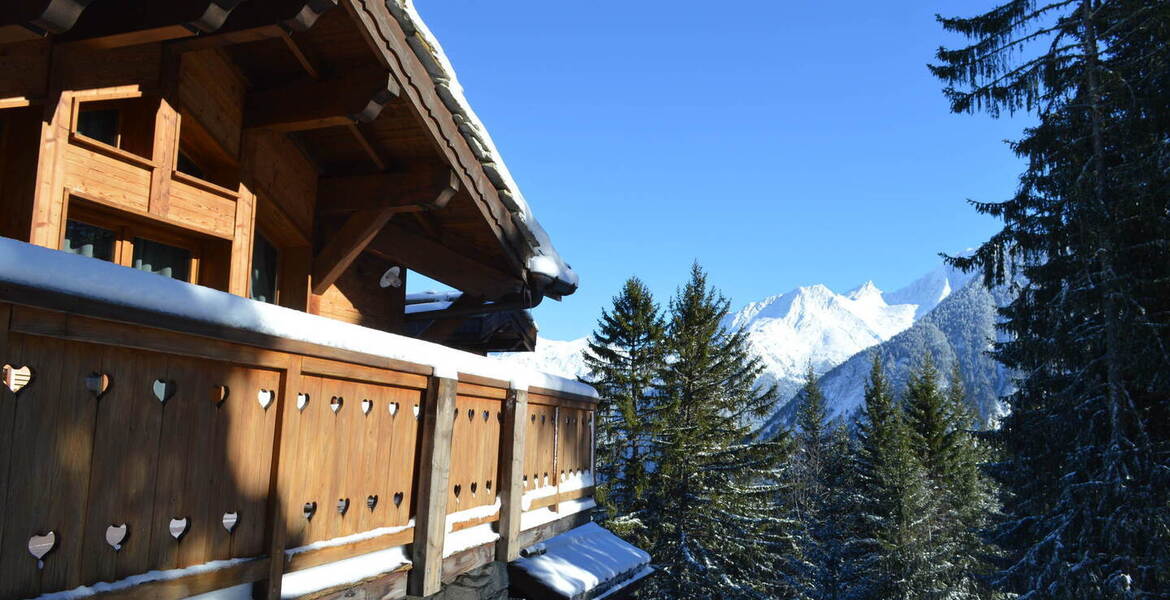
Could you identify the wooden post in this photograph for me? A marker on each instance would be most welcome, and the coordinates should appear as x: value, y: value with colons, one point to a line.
x: 434, y: 469
x: 278, y: 485
x: 512, y: 474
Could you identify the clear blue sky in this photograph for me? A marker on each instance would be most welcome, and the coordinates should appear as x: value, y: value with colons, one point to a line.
x: 778, y: 143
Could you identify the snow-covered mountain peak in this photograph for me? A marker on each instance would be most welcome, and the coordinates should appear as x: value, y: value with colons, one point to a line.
x: 866, y: 291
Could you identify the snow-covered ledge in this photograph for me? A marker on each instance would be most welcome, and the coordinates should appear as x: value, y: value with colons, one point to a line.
x: 28, y: 266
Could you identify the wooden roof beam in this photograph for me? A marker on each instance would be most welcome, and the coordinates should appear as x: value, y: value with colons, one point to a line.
x: 347, y: 244
x: 439, y: 262
x: 412, y: 191
x: 353, y: 97
x: 40, y: 17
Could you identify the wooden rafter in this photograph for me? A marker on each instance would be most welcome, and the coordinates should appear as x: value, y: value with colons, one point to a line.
x: 347, y: 243
x: 411, y: 191
x: 441, y: 329
x: 441, y: 263
x: 354, y: 97
x: 39, y: 17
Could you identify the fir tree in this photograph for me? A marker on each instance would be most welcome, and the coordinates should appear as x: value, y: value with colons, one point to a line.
x: 901, y: 561
x: 623, y: 357
x: 822, y: 502
x: 1087, y: 239
x: 714, y: 531
x: 951, y: 457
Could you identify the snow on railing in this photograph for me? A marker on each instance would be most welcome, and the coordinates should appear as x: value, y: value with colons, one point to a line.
x: 43, y: 268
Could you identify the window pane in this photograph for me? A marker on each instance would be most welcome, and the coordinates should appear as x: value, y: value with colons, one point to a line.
x: 101, y: 125
x: 168, y: 261
x: 188, y: 166
x: 264, y: 265
x: 88, y: 240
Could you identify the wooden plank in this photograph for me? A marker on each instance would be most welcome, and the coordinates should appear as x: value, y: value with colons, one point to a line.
x: 199, y: 583
x: 7, y: 418
x: 343, y: 370
x: 430, y: 519
x: 49, y: 197
x: 347, y: 243
x: 482, y: 391
x: 356, y: 96
x: 35, y: 321
x: 51, y: 452
x: 385, y: 586
x: 244, y: 225
x: 511, y: 484
x: 321, y: 556
x: 541, y: 533
x: 468, y: 560
x: 282, y: 471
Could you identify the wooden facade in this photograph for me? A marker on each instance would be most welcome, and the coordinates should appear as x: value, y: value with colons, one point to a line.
x: 295, y: 152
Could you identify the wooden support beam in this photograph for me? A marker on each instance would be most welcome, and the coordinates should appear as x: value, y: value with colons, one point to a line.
x: 512, y: 474
x: 413, y: 191
x: 113, y: 26
x: 354, y: 97
x: 298, y: 53
x: 367, y: 146
x: 348, y: 242
x: 441, y: 329
x: 40, y: 17
x: 430, y: 528
x: 437, y: 261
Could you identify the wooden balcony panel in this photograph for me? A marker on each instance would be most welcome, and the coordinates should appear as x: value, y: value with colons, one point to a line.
x: 107, y: 175
x: 199, y: 208
x: 195, y: 421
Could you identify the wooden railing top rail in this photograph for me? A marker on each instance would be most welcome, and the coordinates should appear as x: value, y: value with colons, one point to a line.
x: 35, y: 276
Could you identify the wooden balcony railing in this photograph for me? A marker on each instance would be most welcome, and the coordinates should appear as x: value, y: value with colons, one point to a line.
x: 167, y: 453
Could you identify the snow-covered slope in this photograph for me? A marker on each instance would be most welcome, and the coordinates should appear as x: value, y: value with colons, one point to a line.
x: 815, y: 326
x: 808, y: 325
x: 959, y: 330
x: 552, y: 356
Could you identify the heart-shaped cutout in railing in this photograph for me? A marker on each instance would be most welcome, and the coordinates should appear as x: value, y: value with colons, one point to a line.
x: 302, y: 401
x: 219, y: 394
x: 342, y: 506
x: 458, y: 490
x: 486, y: 415
x: 97, y: 384
x: 16, y: 378
x: 367, y: 406
x: 310, y: 509
x: 398, y: 496
x: 416, y: 411
x: 393, y: 408
x: 40, y: 545
x: 230, y: 520
x: 371, y: 501
x: 336, y: 403
x: 163, y: 389
x: 115, y: 535
x: 488, y: 484
x: 265, y: 398
x: 178, y: 527
x: 474, y: 487
x: 470, y: 414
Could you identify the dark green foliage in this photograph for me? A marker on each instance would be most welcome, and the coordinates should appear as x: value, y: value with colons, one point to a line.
x: 1087, y: 240
x: 896, y: 503
x: 713, y: 526
x: 821, y: 497
x: 625, y: 355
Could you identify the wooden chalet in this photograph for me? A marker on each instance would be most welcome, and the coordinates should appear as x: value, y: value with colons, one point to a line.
x: 214, y: 379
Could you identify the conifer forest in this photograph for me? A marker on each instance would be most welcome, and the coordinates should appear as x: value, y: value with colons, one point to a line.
x: 1064, y: 497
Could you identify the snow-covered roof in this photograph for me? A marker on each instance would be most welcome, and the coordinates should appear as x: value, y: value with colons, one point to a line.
x: 23, y: 264
x: 543, y: 260
x: 583, y: 560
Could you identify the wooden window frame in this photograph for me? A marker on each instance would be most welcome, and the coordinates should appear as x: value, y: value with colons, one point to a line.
x: 126, y: 228
x: 142, y: 156
x: 262, y: 232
